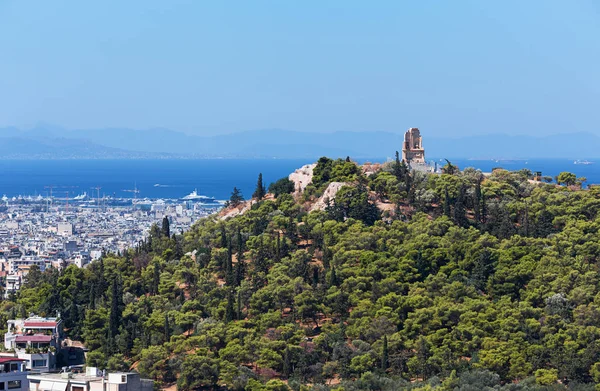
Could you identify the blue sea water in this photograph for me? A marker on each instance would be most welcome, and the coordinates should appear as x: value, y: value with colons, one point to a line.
x: 215, y: 177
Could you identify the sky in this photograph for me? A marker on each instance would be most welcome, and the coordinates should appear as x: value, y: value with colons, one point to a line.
x: 451, y: 68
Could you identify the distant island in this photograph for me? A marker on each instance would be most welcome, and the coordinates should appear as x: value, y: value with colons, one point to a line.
x: 49, y: 142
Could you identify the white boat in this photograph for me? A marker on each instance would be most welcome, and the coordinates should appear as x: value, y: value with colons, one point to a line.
x: 194, y: 196
x: 80, y: 197
x: 585, y: 162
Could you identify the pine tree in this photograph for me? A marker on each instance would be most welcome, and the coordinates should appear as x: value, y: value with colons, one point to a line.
x: 236, y: 197
x: 260, y: 191
x: 166, y: 228
x: 385, y: 355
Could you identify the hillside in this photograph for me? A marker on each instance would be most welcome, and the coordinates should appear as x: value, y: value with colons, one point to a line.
x: 399, y: 280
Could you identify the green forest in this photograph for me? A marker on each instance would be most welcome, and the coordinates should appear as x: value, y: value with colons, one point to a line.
x: 405, y: 280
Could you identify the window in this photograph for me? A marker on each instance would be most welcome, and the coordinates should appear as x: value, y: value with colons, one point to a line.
x: 12, y: 384
x: 38, y: 363
x: 123, y: 379
x: 14, y: 367
x: 74, y: 388
x: 2, y: 385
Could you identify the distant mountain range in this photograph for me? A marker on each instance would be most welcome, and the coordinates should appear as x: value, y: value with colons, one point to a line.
x: 56, y: 143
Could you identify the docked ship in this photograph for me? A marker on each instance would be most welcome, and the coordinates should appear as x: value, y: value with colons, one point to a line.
x: 80, y: 197
x: 194, y: 196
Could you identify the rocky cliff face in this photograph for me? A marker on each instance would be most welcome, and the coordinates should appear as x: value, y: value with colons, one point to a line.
x: 302, y: 177
x: 328, y: 194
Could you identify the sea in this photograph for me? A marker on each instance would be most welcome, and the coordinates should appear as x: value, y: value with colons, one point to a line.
x: 216, y: 178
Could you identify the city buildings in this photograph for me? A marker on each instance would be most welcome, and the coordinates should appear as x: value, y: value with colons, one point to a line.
x: 33, y: 233
x: 91, y: 380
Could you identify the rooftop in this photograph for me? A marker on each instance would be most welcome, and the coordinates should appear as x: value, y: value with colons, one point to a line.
x: 33, y: 338
x: 4, y: 360
x: 40, y: 324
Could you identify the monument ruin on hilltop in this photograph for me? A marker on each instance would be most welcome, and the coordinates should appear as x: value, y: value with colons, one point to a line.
x: 412, y: 150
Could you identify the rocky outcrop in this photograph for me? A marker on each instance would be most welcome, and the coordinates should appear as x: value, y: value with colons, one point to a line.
x: 302, y: 177
x: 328, y: 194
x: 230, y: 212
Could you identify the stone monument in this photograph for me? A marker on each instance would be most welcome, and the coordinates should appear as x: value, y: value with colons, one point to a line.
x: 412, y: 150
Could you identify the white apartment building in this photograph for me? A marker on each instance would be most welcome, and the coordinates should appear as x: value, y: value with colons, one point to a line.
x: 35, y: 340
x: 92, y: 380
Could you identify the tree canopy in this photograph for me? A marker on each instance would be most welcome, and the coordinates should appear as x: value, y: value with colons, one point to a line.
x: 453, y: 281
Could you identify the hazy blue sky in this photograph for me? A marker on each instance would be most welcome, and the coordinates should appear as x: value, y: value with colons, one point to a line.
x: 206, y: 67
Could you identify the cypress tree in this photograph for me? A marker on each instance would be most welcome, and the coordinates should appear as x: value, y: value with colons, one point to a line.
x: 477, y: 202
x: 92, y: 297
x: 229, y: 277
x: 460, y: 209
x: 240, y: 245
x: 397, y: 169
x: 333, y: 280
x: 167, y: 329
x: 239, y: 306
x: 408, y: 185
x: 260, y: 263
x: 260, y: 191
x: 287, y: 365
x: 326, y: 257
x: 239, y: 272
x: 385, y: 355
x: 239, y: 267
x: 526, y: 219
x: 277, y: 248
x: 223, y: 237
x: 447, y: 202
x: 229, y: 314
x: 315, y: 276
x: 115, y: 311
x: 166, y: 228
x: 155, y: 279
x: 483, y: 208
